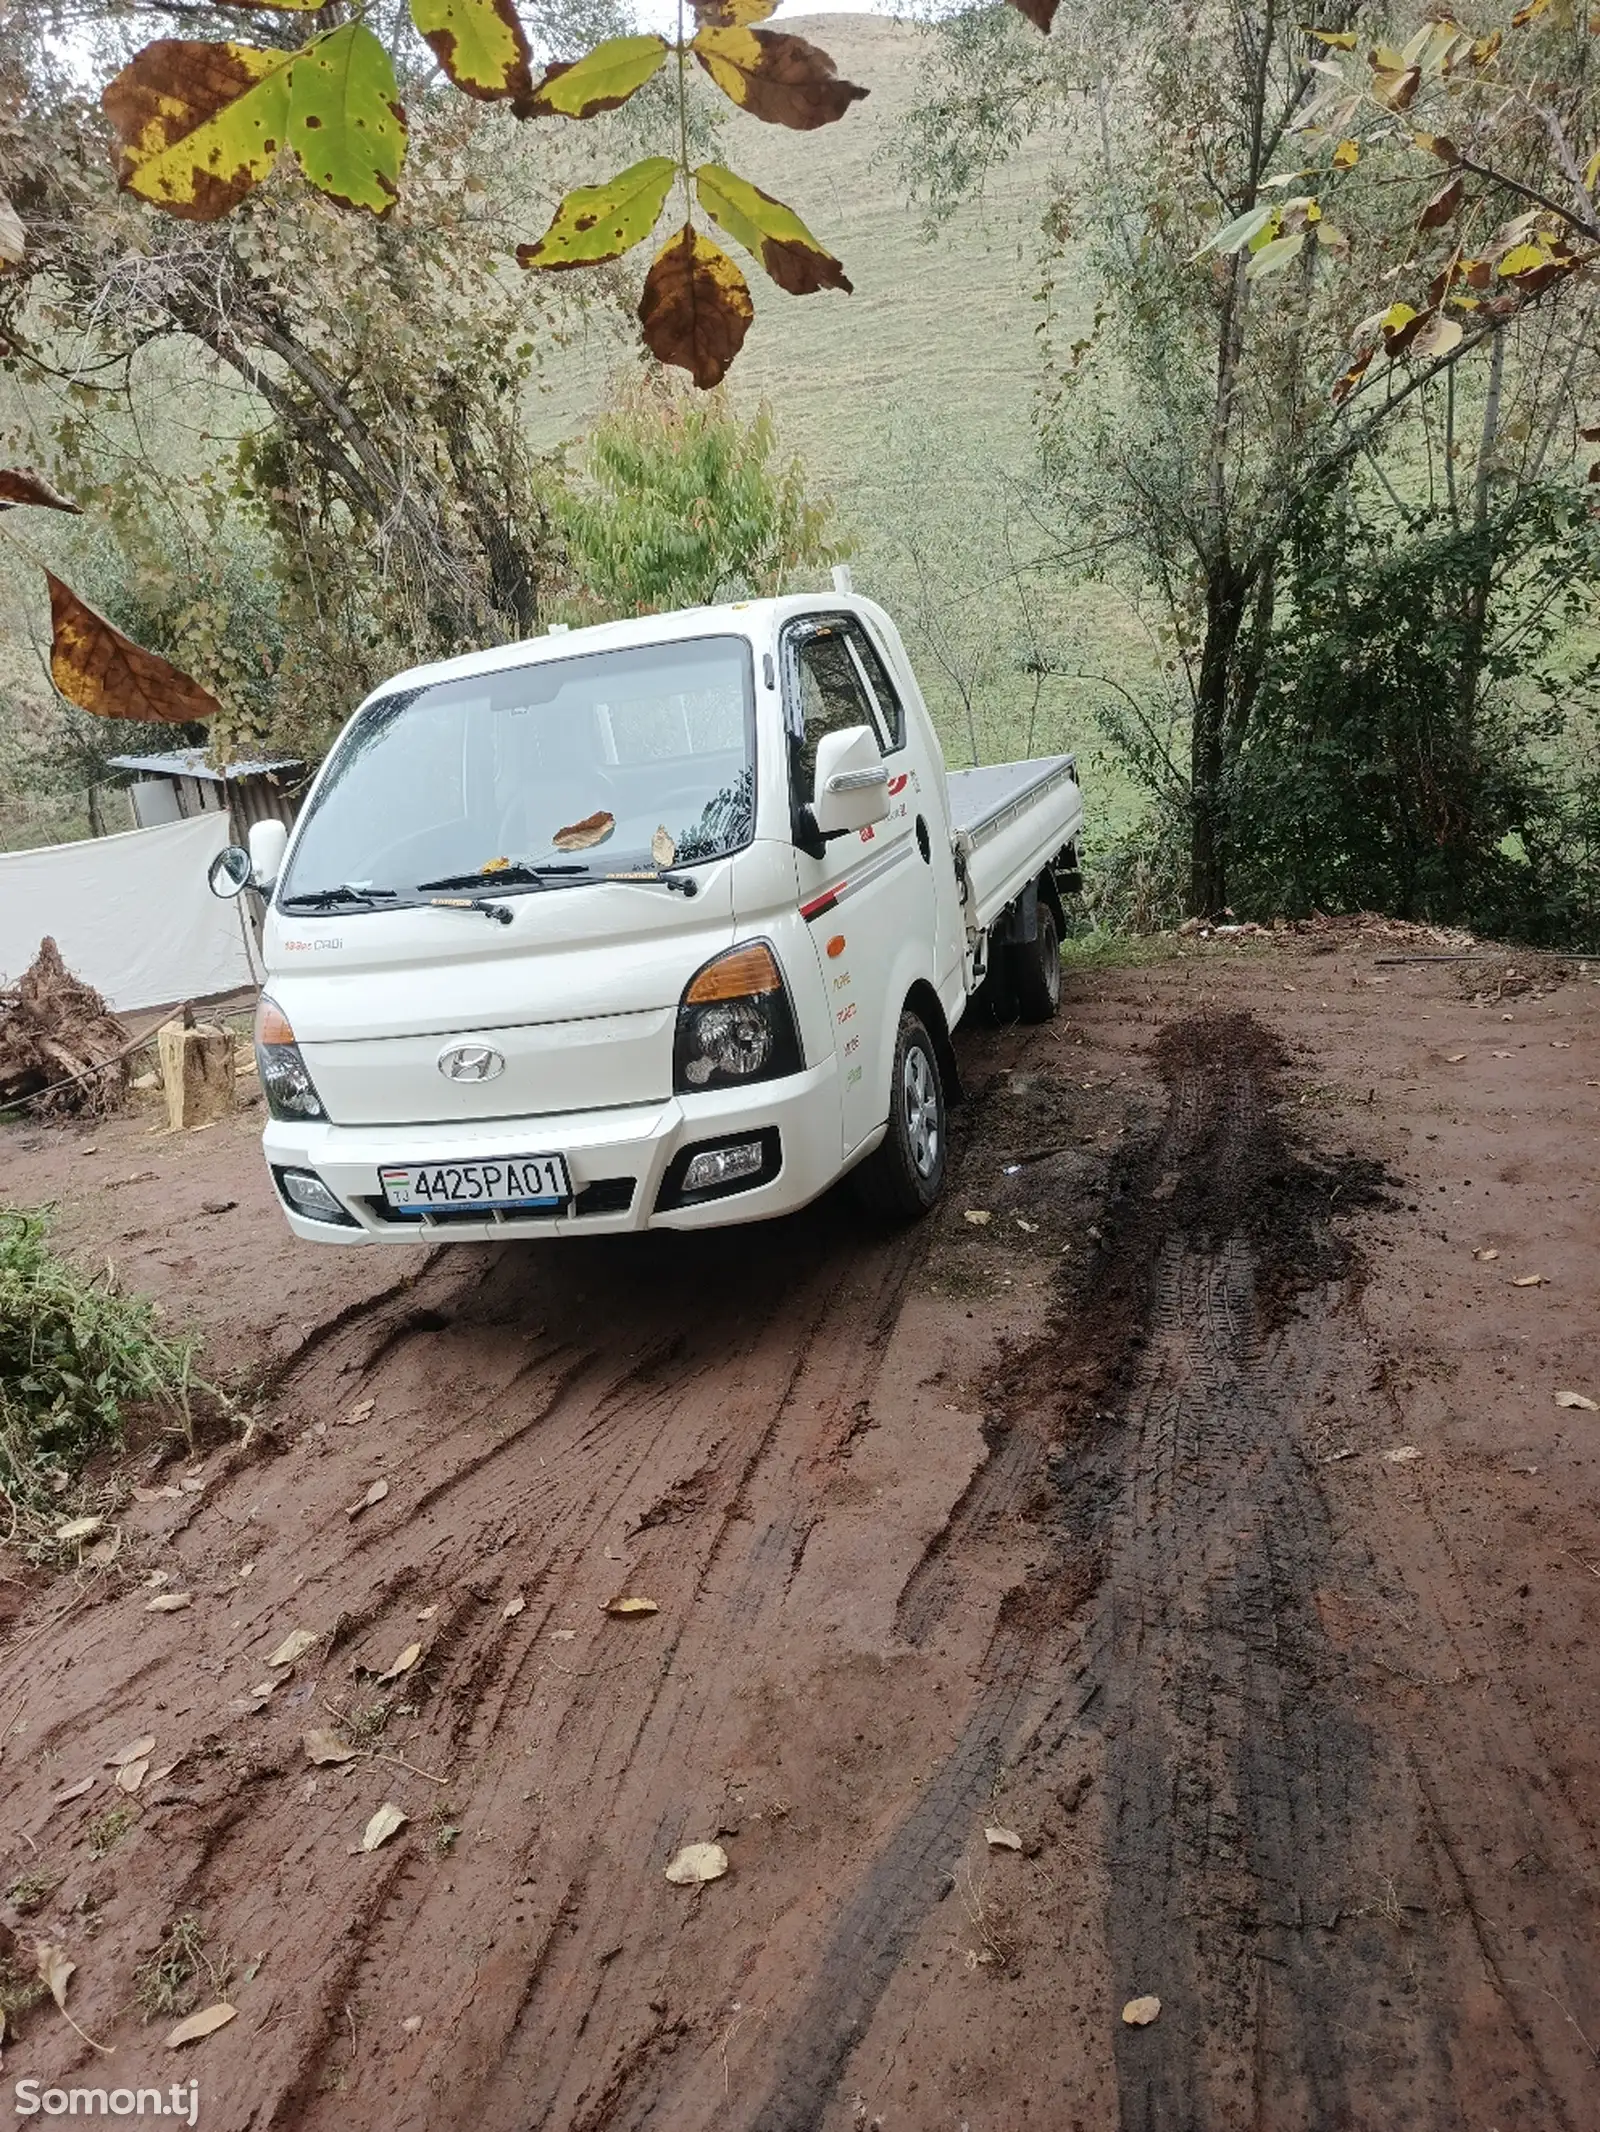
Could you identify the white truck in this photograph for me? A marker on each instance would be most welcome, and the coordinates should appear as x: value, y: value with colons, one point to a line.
x: 661, y: 924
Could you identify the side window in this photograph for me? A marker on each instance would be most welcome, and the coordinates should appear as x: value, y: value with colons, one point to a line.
x: 891, y: 716
x: 833, y: 696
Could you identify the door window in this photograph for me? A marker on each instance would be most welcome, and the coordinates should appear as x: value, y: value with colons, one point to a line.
x: 832, y: 692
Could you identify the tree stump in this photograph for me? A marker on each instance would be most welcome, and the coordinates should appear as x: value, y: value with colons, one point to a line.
x: 196, y: 1072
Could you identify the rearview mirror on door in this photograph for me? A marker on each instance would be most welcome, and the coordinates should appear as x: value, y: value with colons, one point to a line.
x: 852, y: 784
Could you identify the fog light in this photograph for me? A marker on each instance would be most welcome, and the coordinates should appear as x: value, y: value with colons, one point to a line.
x: 308, y: 1195
x: 722, y: 1165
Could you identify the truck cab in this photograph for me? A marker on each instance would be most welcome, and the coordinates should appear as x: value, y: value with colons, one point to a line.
x: 664, y: 923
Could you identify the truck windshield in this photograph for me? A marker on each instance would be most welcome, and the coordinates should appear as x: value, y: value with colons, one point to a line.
x: 536, y: 777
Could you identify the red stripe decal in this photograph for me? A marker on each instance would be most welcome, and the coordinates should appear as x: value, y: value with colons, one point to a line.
x: 819, y: 904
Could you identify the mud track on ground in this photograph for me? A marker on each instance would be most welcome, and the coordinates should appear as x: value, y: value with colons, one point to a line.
x: 1074, y: 1551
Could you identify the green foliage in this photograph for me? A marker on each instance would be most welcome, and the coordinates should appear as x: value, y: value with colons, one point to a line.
x: 684, y: 504
x: 75, y: 1356
x: 1416, y: 750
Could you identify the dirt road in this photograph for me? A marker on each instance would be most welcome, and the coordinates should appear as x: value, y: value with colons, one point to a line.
x: 1190, y: 1506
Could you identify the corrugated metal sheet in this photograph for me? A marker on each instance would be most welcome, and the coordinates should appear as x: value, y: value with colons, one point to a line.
x: 191, y: 762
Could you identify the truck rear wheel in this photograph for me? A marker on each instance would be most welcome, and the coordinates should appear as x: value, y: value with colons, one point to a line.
x: 903, y: 1178
x: 1034, y: 968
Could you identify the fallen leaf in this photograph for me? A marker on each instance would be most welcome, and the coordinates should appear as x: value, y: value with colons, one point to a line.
x: 1002, y: 1839
x: 662, y: 848
x: 79, y: 1529
x: 1028, y: 1227
x: 562, y: 1635
x: 1528, y: 1280
x: 375, y: 1494
x: 1401, y: 1455
x: 978, y: 1216
x: 360, y: 1411
x: 697, y: 1862
x: 138, y: 1751
x: 412, y: 2024
x: 168, y: 1603
x: 131, y: 1775
x: 426, y: 1613
x: 584, y: 835
x: 204, y: 2023
x: 1577, y: 1399
x: 403, y: 1664
x: 1454, y: 1058
x: 105, y: 1552
x: 157, y: 1495
x: 512, y: 1608
x: 191, y: 1484
x: 323, y: 1745
x: 625, y: 1603
x: 54, y: 1970
x: 386, y: 1822
x: 1139, y: 2013
x: 292, y: 1647
x: 73, y: 1791
x: 1486, y: 1256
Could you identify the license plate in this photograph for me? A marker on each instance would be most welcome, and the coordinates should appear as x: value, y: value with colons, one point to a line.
x: 511, y: 1182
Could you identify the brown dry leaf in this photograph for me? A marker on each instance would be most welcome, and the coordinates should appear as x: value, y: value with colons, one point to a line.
x: 1139, y: 2013
x: 512, y: 1608
x: 1577, y: 1400
x: 696, y: 310
x: 584, y: 835
x: 1002, y: 1839
x: 386, y: 1822
x: 375, y: 1494
x: 1528, y: 1280
x: 192, y: 1484
x: 323, y: 1745
x: 205, y: 2023
x: 22, y: 485
x: 292, y: 1647
x: 662, y: 848
x: 101, y: 670
x: 73, y: 1791
x: 775, y: 76
x: 54, y: 1971
x: 79, y: 1528
x: 104, y: 1552
x: 626, y: 1603
x: 168, y: 1603
x: 137, y: 1751
x: 426, y: 1613
x: 697, y: 1862
x: 360, y: 1411
x: 1454, y: 1058
x: 403, y: 1664
x: 157, y: 1495
x: 131, y: 1775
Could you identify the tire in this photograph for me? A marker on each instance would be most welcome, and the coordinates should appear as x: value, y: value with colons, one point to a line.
x: 903, y: 1178
x: 1034, y: 968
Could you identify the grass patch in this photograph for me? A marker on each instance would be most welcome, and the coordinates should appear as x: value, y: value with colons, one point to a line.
x: 32, y: 1892
x: 107, y: 1830
x: 1106, y: 950
x: 169, y: 1983
x: 75, y: 1356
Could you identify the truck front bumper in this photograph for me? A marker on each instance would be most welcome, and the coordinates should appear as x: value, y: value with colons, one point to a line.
x: 621, y: 1162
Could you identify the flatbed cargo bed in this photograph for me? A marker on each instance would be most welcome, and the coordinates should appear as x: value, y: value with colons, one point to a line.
x: 1006, y: 818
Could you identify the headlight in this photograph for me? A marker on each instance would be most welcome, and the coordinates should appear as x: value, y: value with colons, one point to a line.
x: 735, y: 1024
x: 285, y: 1077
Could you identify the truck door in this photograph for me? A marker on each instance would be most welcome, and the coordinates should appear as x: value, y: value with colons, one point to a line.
x: 868, y: 894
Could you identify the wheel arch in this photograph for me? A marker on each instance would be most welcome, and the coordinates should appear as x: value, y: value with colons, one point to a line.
x: 924, y: 1002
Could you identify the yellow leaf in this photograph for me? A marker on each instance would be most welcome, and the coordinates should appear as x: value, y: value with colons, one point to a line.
x: 346, y: 126
x: 54, y: 1970
x: 204, y: 2023
x: 1395, y: 88
x: 403, y: 1664
x: 1522, y: 259
x: 1274, y: 256
x: 79, y: 1529
x: 201, y: 124
x: 696, y: 308
x: 1591, y: 171
x: 1139, y: 2013
x: 1347, y: 155
x: 480, y: 44
x: 1002, y: 1839
x: 1577, y: 1400
x: 600, y: 81
x: 1335, y: 40
x: 101, y: 670
x: 769, y: 232
x: 775, y: 77
x: 623, y: 1603
x: 598, y: 222
x: 732, y: 14
x: 1528, y: 1280
x: 697, y: 1862
x: 386, y: 1822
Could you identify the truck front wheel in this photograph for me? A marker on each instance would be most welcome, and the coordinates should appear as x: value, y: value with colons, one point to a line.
x: 901, y: 1180
x: 1034, y: 969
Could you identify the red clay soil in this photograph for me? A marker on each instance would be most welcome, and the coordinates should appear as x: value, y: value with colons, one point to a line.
x: 1202, y: 1522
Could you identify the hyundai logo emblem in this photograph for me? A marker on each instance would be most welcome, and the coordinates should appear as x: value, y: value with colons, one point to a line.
x: 471, y: 1062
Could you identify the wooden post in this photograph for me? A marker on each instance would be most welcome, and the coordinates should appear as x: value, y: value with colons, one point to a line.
x: 196, y: 1071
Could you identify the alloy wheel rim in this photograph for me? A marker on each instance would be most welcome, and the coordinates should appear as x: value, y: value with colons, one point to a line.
x: 920, y: 1098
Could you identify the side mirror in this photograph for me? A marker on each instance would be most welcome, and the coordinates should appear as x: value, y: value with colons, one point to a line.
x: 852, y: 783
x: 229, y: 872
x: 269, y: 840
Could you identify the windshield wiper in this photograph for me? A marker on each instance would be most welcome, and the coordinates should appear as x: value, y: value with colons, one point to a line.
x: 324, y: 899
x: 685, y: 884
x: 518, y: 874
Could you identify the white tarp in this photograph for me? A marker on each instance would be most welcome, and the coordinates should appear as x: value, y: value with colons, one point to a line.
x: 131, y: 914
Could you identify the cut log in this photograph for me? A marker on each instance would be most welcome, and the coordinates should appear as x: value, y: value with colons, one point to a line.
x: 196, y: 1072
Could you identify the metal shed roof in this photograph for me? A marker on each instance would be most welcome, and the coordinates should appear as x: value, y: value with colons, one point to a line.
x: 191, y: 762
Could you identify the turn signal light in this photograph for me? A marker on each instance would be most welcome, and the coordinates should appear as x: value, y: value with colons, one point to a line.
x: 272, y: 1024
x: 740, y: 974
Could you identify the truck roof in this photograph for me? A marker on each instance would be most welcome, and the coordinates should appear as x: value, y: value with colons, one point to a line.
x: 756, y: 619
